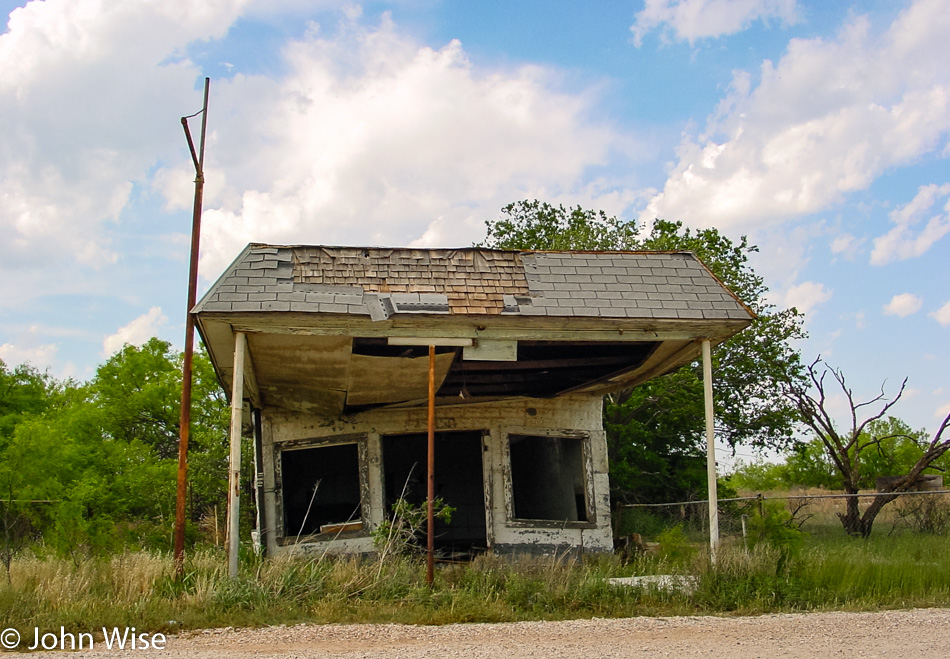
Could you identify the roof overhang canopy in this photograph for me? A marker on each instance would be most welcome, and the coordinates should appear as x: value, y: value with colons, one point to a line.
x: 339, y: 347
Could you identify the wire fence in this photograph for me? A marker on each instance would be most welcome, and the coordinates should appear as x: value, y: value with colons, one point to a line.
x: 819, y: 513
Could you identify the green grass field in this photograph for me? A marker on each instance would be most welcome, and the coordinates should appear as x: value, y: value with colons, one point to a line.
x: 138, y: 589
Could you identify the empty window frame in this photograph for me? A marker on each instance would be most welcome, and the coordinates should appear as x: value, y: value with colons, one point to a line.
x: 321, y: 490
x: 548, y: 478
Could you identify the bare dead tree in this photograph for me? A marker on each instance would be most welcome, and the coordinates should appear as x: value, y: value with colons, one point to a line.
x: 845, y: 446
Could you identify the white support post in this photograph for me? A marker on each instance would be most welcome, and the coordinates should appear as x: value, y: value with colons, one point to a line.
x: 710, y: 452
x: 234, y: 461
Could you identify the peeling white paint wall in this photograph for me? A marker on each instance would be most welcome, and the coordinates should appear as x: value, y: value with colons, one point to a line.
x: 572, y: 415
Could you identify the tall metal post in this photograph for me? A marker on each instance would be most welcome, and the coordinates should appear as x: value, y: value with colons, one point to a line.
x: 185, y: 418
x: 430, y: 489
x: 710, y: 452
x: 234, y: 460
x: 431, y: 342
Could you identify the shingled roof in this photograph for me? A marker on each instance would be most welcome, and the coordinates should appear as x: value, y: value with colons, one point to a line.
x: 382, y: 282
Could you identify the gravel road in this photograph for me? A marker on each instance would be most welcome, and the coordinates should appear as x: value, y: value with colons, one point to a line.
x: 919, y: 633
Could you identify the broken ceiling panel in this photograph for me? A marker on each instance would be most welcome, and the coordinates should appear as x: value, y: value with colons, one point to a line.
x: 381, y: 380
x: 322, y: 402
x: 307, y: 373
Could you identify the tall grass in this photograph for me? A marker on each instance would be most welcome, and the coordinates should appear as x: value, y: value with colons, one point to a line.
x: 138, y: 589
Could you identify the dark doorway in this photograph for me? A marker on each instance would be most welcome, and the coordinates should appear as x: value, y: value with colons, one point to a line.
x: 458, y: 480
x: 321, y: 485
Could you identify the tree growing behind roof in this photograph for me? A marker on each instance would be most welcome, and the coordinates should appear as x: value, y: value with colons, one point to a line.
x: 655, y: 431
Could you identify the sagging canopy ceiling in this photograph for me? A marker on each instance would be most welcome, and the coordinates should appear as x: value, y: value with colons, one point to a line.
x: 334, y: 375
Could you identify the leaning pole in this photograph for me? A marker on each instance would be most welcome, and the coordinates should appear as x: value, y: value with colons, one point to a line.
x: 185, y: 420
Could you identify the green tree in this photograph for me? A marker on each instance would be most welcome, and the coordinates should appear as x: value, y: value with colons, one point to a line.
x: 864, y: 443
x: 656, y: 431
x: 96, y: 468
x: 135, y: 389
x: 23, y: 391
x: 759, y: 476
x: 895, y: 453
x: 138, y: 391
x: 808, y: 465
x: 533, y: 224
x: 889, y: 448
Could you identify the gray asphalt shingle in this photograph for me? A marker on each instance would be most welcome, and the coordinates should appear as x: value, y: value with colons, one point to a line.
x: 380, y: 282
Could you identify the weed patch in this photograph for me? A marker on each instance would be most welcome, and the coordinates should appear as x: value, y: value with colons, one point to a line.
x: 139, y: 589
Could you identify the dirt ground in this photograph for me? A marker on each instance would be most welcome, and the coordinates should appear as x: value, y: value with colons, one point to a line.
x: 919, y: 633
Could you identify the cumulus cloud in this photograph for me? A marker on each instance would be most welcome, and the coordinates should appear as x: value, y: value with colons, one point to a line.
x: 807, y: 296
x: 370, y: 137
x: 825, y: 120
x: 942, y: 315
x: 904, y: 241
x: 903, y: 305
x: 691, y: 20
x: 137, y: 332
x: 85, y: 110
x: 364, y: 135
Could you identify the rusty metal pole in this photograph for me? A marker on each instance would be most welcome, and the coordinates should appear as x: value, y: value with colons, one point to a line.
x: 430, y: 490
x: 185, y: 419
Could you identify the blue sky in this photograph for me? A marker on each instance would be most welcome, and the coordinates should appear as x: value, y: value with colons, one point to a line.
x: 819, y: 129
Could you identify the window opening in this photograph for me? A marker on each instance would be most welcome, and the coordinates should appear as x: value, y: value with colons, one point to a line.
x: 320, y: 486
x: 548, y: 478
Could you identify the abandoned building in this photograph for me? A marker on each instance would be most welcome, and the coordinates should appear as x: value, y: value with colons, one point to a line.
x: 334, y: 345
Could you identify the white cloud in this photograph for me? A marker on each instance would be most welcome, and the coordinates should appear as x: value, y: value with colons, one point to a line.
x: 860, y: 320
x: 942, y: 411
x: 942, y: 315
x: 783, y: 254
x: 89, y: 106
x: 842, y: 243
x: 137, y: 332
x: 825, y: 120
x: 846, y: 245
x: 364, y: 136
x: 807, y: 296
x: 902, y: 242
x: 691, y: 20
x: 371, y: 138
x: 903, y: 305
x: 38, y: 356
